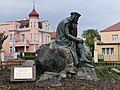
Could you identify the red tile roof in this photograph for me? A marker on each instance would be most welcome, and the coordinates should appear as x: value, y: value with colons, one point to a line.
x: 115, y: 27
x: 53, y: 35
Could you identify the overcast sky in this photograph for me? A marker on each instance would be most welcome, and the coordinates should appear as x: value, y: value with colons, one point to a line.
x: 96, y: 14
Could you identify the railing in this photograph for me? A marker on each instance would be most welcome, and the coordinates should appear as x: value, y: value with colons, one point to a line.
x: 20, y: 43
x: 109, y: 58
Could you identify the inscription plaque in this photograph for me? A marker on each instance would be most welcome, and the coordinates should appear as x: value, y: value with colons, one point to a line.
x: 23, y: 73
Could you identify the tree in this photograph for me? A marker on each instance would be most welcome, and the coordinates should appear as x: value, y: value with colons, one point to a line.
x: 2, y: 39
x: 89, y: 35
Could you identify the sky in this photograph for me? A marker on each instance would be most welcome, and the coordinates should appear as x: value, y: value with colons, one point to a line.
x: 95, y: 14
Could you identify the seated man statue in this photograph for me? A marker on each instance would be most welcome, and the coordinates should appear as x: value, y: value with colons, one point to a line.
x: 66, y: 37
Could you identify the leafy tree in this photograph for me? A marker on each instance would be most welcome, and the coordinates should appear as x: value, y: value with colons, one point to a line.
x: 89, y: 35
x: 2, y: 39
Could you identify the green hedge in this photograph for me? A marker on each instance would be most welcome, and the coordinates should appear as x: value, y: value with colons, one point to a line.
x: 30, y: 57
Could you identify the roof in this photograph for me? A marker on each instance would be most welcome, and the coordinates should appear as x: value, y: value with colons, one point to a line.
x: 109, y: 43
x: 40, y: 25
x: 24, y: 23
x: 53, y: 35
x: 115, y: 27
x: 33, y: 13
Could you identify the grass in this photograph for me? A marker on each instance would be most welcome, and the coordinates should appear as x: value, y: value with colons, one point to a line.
x: 108, y: 73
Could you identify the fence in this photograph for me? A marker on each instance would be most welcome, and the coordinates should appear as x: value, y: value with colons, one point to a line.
x: 10, y: 63
x: 7, y: 57
x: 107, y: 64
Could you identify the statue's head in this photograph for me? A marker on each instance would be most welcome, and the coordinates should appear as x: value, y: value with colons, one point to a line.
x: 74, y: 16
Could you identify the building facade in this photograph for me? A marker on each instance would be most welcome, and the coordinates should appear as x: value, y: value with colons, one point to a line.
x: 108, y: 49
x: 25, y: 35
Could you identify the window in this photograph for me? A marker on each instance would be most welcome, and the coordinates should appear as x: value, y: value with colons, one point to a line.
x: 10, y: 49
x: 46, y: 39
x: 46, y: 27
x: 30, y: 37
x: 35, y: 37
x: 34, y: 24
x: 40, y: 41
x: 23, y: 37
x: 107, y: 51
x: 114, y: 37
x: 31, y: 24
x: 111, y: 51
x: 103, y: 51
x: 11, y: 37
x: 17, y: 26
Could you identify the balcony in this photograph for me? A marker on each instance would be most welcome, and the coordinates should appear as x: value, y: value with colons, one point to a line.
x: 20, y: 43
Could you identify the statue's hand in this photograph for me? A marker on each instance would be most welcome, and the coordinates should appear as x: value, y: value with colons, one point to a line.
x: 80, y: 40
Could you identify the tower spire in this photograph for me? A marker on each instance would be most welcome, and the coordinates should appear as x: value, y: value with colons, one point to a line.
x: 33, y: 4
x: 33, y: 13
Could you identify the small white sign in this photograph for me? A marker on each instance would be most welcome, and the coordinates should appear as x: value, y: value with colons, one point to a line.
x: 23, y: 73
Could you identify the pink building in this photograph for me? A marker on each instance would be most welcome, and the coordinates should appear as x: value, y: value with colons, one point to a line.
x: 25, y: 35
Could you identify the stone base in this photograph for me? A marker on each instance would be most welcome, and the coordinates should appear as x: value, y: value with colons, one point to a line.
x: 86, y: 73
x: 53, y: 59
x: 28, y: 63
x: 49, y: 79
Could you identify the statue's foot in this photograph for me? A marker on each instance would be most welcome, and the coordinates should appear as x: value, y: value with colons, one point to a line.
x: 84, y: 60
x: 88, y: 65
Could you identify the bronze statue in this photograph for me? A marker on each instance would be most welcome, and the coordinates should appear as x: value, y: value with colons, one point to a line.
x: 66, y: 37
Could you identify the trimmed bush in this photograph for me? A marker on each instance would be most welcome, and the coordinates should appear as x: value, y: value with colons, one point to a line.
x: 30, y: 57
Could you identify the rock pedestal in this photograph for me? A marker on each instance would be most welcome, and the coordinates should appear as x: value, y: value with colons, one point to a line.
x: 115, y: 71
x: 86, y: 73
x: 49, y: 79
x: 53, y: 59
x: 28, y: 63
x: 57, y: 63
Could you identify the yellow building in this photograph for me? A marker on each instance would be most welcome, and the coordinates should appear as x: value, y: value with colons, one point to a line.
x: 108, y: 49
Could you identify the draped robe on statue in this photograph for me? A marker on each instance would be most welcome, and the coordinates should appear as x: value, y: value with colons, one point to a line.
x: 66, y: 37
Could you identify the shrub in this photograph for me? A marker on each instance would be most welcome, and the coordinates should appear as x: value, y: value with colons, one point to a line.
x: 30, y: 57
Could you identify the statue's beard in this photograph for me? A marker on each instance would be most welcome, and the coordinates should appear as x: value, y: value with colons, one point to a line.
x: 75, y: 22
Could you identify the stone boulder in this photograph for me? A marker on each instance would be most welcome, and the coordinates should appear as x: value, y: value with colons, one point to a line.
x: 115, y: 71
x: 28, y: 63
x: 102, y: 71
x: 49, y: 79
x: 86, y: 73
x: 52, y: 59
